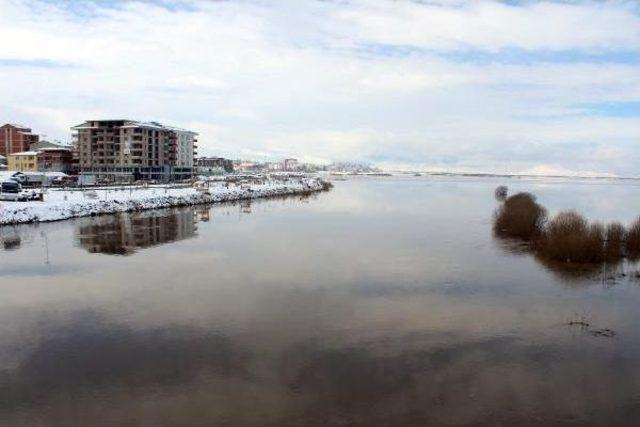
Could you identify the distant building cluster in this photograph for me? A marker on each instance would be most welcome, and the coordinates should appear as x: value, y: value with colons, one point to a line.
x: 22, y: 151
x: 105, y: 150
x: 112, y: 151
x: 286, y: 165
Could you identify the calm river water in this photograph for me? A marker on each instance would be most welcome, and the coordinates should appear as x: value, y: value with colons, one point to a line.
x: 386, y: 301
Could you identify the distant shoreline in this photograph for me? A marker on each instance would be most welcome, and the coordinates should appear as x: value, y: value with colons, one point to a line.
x: 496, y: 175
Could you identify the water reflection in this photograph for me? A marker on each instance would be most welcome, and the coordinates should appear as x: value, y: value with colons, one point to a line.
x: 10, y: 238
x: 607, y: 272
x: 187, y: 375
x: 124, y: 234
x: 90, y: 353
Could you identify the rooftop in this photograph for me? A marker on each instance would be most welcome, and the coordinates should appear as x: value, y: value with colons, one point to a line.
x: 7, y: 175
x: 25, y: 153
x: 16, y: 125
x: 54, y: 148
x: 132, y: 124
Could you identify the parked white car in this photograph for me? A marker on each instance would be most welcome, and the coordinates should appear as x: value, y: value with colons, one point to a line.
x: 12, y: 191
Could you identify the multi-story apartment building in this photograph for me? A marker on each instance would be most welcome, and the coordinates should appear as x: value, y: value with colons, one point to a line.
x: 124, y: 150
x: 26, y: 161
x: 16, y: 139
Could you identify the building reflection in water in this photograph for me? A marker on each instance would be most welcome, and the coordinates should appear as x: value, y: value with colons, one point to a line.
x: 126, y: 233
x: 10, y: 238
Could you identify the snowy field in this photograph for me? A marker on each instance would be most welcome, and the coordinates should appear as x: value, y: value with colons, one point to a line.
x: 64, y: 204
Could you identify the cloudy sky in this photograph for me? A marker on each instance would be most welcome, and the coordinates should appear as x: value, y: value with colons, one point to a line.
x: 494, y: 86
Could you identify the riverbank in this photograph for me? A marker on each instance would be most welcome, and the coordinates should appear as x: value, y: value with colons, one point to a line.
x: 64, y: 204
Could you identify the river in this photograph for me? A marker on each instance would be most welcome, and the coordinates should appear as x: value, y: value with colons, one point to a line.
x: 386, y: 301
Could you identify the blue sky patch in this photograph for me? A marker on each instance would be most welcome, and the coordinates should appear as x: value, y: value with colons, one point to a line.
x: 614, y: 109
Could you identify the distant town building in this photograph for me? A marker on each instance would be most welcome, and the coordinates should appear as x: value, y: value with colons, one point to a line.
x: 273, y: 166
x: 16, y: 139
x: 209, y: 165
x: 249, y: 166
x: 3, y: 163
x: 52, y: 159
x: 26, y: 161
x: 124, y: 150
x: 290, y: 164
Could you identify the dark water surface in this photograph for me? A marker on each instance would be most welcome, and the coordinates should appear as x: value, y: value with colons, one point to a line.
x: 386, y: 301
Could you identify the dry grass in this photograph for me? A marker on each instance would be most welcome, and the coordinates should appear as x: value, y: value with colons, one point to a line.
x: 520, y: 216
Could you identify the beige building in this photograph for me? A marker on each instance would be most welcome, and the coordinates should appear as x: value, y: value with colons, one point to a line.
x: 26, y: 161
x: 125, y: 150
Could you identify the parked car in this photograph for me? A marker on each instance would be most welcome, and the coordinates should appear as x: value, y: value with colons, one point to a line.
x: 12, y: 191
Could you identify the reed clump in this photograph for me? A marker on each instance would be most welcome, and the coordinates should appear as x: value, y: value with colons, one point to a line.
x: 520, y: 216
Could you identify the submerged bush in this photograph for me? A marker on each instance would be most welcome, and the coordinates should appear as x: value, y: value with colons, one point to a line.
x: 633, y: 240
x: 326, y: 185
x: 520, y: 216
x: 568, y: 237
x: 501, y: 193
x: 614, y: 241
x: 568, y: 241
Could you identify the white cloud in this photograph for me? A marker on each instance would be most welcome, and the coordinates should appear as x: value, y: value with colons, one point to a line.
x: 370, y: 80
x: 495, y: 25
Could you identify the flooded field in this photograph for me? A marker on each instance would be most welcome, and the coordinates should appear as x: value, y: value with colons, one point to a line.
x: 386, y: 301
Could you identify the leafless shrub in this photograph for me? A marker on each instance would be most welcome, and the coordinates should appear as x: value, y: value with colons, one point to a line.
x: 569, y: 238
x: 568, y: 243
x: 520, y: 216
x: 633, y: 240
x: 614, y: 241
x: 501, y: 193
x: 326, y: 185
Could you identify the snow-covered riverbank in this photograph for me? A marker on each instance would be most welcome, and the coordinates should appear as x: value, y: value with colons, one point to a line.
x: 60, y: 204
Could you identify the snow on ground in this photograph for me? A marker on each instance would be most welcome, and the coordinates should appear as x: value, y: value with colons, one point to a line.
x: 64, y: 204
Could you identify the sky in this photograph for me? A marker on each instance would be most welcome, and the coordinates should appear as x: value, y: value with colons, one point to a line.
x: 467, y: 86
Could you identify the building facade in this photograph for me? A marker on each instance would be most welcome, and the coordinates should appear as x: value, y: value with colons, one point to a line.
x: 16, y: 139
x: 126, y: 150
x: 26, y: 161
x: 51, y: 159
